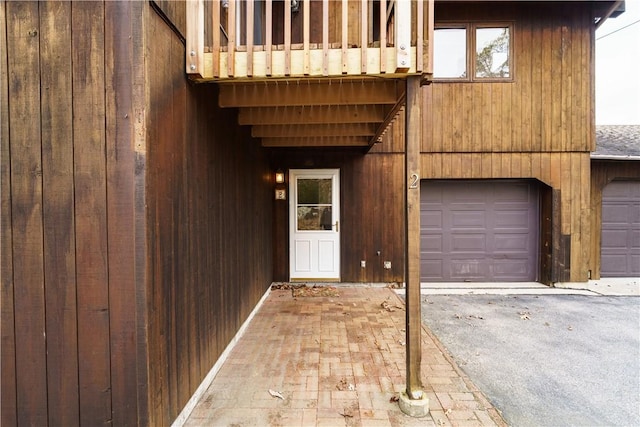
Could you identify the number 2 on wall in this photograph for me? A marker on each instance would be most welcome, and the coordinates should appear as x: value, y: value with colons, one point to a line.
x: 415, y: 178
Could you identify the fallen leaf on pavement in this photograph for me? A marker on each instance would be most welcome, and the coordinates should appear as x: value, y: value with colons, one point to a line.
x: 276, y: 394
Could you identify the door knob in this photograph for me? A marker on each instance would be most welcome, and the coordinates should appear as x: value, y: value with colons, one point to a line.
x: 337, y: 225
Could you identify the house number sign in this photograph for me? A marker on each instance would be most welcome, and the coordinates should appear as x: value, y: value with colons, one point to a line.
x: 415, y: 179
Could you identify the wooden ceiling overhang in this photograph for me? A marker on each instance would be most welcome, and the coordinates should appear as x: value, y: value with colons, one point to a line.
x: 321, y: 73
x: 331, y: 112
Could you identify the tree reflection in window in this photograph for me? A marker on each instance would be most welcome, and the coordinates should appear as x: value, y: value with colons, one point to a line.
x: 492, y: 52
x: 314, y: 204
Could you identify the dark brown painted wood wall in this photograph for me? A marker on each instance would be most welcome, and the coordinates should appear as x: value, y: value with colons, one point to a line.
x: 69, y: 333
x: 136, y: 217
x: 209, y: 199
x: 372, y: 207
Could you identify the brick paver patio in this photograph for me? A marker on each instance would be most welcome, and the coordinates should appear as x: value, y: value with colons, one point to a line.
x: 336, y: 361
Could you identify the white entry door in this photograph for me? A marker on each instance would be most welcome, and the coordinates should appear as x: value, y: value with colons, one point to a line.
x: 314, y: 250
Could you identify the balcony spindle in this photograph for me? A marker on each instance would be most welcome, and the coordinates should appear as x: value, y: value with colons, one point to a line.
x: 215, y: 44
x: 287, y: 38
x: 249, y: 38
x: 325, y: 37
x: 268, y: 36
x: 231, y: 42
x: 364, y: 30
x: 345, y: 36
x: 383, y: 36
x: 306, y: 10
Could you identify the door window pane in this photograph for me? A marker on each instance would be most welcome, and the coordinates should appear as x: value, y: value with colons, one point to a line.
x: 314, y: 218
x: 314, y: 191
x: 313, y: 210
x: 450, y: 53
x: 492, y: 52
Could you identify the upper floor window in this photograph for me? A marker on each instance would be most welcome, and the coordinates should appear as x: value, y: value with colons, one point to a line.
x: 472, y: 52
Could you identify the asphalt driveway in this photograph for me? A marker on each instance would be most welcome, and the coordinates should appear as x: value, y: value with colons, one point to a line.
x: 546, y: 360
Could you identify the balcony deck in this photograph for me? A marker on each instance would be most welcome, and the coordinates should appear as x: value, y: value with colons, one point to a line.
x: 339, y: 64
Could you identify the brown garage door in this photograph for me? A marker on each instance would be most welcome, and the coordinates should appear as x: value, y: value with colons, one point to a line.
x: 621, y: 229
x: 479, y: 231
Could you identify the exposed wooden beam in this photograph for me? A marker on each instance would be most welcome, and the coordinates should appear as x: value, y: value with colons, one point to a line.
x: 293, y: 131
x: 349, y: 141
x: 312, y: 114
x: 298, y: 93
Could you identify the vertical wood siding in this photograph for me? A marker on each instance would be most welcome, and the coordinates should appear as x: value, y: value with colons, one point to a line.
x: 209, y: 225
x: 23, y: 51
x: 8, y: 412
x: 602, y: 173
x: 69, y: 298
x: 371, y: 217
x: 540, y: 125
x: 58, y: 215
x: 549, y: 104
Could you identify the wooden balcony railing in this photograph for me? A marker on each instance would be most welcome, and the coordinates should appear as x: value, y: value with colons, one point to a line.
x: 258, y: 39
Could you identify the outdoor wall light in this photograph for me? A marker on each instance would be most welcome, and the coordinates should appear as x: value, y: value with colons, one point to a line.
x: 279, y: 177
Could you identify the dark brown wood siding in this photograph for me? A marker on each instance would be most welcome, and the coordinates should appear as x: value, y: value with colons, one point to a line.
x: 602, y: 173
x: 372, y: 207
x: 69, y: 299
x: 548, y: 105
x: 539, y: 125
x: 209, y: 217
x: 136, y: 217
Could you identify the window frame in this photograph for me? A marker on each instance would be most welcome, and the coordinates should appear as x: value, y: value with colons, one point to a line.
x: 471, y: 54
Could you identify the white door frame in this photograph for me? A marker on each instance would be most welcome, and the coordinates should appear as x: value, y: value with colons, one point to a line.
x: 314, y: 254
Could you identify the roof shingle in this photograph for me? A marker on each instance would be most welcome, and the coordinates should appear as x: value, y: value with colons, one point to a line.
x: 617, y: 140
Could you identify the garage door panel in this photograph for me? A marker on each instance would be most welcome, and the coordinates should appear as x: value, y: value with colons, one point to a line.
x: 513, y: 219
x: 484, y: 230
x: 432, y: 219
x: 509, y: 242
x: 612, y: 239
x: 510, y: 269
x: 466, y: 269
x: 616, y: 264
x: 431, y: 243
x: 467, y: 219
x: 468, y: 243
x: 616, y: 213
x: 433, y: 268
x: 620, y: 239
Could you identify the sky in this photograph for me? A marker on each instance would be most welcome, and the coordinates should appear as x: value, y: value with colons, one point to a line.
x: 618, y: 68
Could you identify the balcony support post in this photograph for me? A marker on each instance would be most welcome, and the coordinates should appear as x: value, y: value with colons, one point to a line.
x: 195, y: 37
x: 413, y: 401
x: 402, y: 27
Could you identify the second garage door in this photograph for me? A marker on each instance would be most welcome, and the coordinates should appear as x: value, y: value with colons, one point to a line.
x: 621, y: 229
x: 479, y: 230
